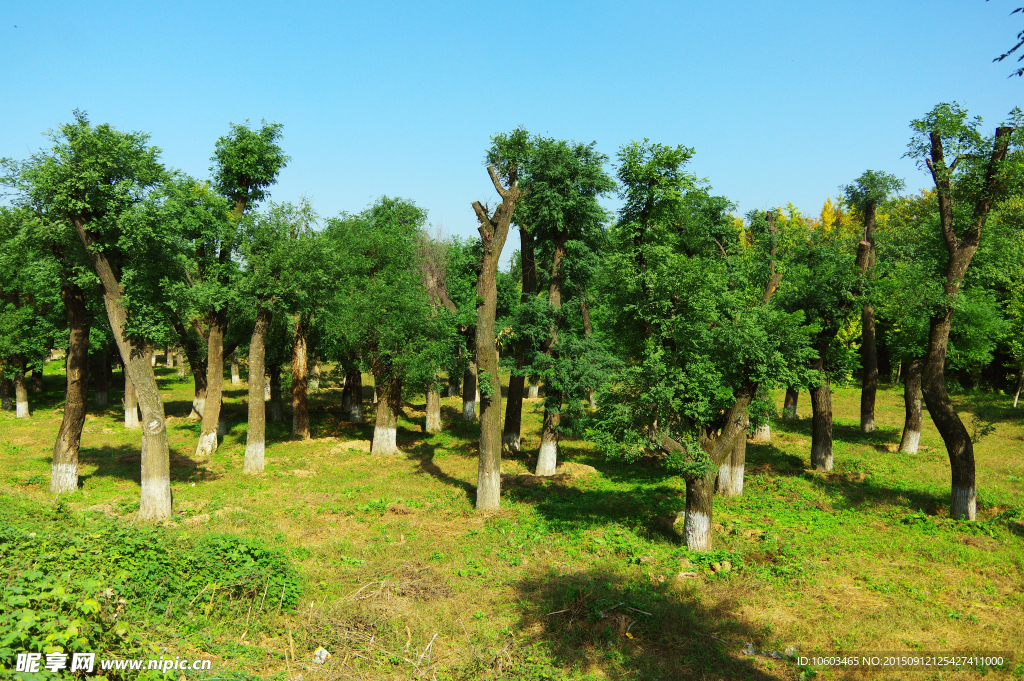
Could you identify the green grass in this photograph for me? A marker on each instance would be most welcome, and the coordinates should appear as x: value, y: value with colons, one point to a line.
x: 401, y: 578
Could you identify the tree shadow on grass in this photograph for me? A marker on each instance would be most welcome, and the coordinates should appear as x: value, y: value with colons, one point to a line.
x: 424, y: 456
x: 125, y: 462
x: 769, y: 459
x: 630, y: 629
x: 842, y: 432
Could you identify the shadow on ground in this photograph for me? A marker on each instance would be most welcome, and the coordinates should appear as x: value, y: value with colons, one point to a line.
x: 641, y: 630
x: 125, y: 462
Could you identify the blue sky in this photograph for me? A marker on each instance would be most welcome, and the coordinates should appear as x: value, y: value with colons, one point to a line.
x: 783, y: 101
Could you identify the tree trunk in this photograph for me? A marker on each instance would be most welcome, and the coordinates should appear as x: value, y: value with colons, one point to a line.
x: 207, y: 444
x: 20, y: 392
x: 959, y: 447
x: 433, y: 409
x: 314, y: 375
x: 198, y: 393
x: 961, y: 250
x: 454, y: 385
x: 821, y: 425
x: 469, y: 392
x: 869, y: 358
x: 789, y: 408
x: 763, y: 434
x: 868, y: 351
x: 37, y: 381
x: 511, y: 436
x: 276, y: 404
x: 699, y: 511
x: 493, y: 232
x: 346, y: 395
x: 730, y: 473
x: 1020, y: 383
x: 99, y: 377
x: 355, y: 379
x: 385, y: 430
x: 911, y: 439
x: 300, y: 403
x: 131, y: 404
x: 547, y: 459
x: 236, y: 378
x: 180, y: 361
x: 155, y: 500
x: 534, y: 391
x: 64, y: 470
x: 169, y: 357
x: 6, y: 394
x: 256, y: 432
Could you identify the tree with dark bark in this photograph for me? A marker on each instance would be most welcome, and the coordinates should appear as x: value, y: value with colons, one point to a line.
x: 692, y: 363
x: 95, y: 178
x: 511, y: 434
x: 824, y: 279
x: 970, y: 171
x: 867, y: 191
x: 908, y: 284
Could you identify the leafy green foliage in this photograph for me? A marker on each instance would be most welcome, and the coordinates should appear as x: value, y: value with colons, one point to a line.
x: 153, y: 570
x: 685, y: 294
x: 248, y: 161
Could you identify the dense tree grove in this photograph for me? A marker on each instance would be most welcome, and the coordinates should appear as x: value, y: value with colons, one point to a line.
x: 659, y: 332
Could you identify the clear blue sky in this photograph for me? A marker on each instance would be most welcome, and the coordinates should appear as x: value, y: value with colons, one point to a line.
x: 783, y: 101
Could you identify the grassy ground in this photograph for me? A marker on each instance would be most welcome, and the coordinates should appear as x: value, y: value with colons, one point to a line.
x: 574, y: 579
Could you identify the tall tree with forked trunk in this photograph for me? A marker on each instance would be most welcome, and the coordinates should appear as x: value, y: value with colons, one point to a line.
x: 504, y: 158
x: 970, y: 171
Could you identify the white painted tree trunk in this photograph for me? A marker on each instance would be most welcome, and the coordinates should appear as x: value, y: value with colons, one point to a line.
x: 236, y: 378
x: 207, y: 445
x: 697, y: 523
x: 967, y: 499
x: 534, y: 391
x: 20, y: 396
x: 763, y: 433
x: 63, y: 477
x: 198, y: 405
x: 911, y: 441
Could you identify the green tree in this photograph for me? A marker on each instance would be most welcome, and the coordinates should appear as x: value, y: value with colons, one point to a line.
x: 692, y: 308
x: 269, y: 285
x: 245, y: 163
x: 29, y: 301
x: 867, y: 191
x: 93, y: 177
x: 561, y: 182
x: 981, y: 169
x: 382, y: 305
